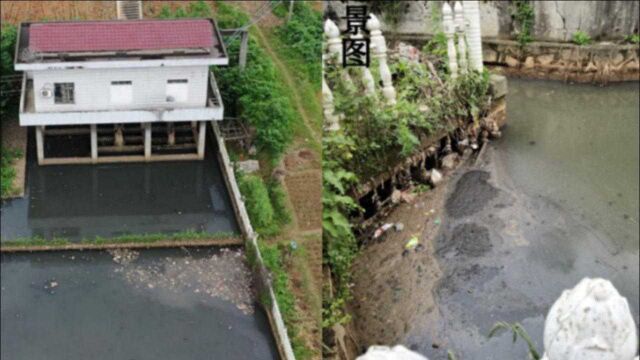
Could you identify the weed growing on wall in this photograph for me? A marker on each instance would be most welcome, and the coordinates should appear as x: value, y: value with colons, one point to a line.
x: 523, y: 15
x: 581, y: 38
x: 633, y: 39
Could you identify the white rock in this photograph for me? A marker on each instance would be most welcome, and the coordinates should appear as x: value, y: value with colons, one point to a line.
x: 398, y: 352
x: 592, y: 321
x: 435, y: 177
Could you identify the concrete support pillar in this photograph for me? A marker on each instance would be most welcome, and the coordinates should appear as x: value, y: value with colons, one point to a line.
x: 147, y: 141
x: 40, y: 143
x: 119, y: 136
x: 94, y: 143
x: 202, y: 134
x: 171, y: 134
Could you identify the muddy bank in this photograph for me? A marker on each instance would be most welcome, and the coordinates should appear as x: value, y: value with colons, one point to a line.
x: 531, y: 218
x: 160, y: 304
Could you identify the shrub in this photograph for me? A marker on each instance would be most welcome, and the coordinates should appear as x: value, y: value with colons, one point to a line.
x: 258, y: 203
x: 8, y: 35
x: 303, y: 36
x: 278, y: 198
x: 581, y: 38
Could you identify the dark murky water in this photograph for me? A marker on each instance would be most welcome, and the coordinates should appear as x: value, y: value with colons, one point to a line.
x: 563, y: 206
x: 84, y: 201
x: 162, y: 304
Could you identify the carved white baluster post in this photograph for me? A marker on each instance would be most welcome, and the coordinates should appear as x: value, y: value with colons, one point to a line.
x: 379, y: 48
x: 474, y: 36
x: 334, y: 45
x: 331, y: 119
x: 449, y: 31
x: 462, y: 44
x: 590, y: 322
x: 367, y: 77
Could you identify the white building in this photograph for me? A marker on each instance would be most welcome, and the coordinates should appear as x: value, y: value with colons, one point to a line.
x: 137, y: 90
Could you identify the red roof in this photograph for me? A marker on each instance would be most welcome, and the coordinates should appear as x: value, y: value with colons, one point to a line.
x: 121, y: 35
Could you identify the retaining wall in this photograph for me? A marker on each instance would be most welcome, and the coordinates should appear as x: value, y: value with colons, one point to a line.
x: 261, y: 274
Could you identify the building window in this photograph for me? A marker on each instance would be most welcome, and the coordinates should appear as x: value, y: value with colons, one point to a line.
x: 177, y: 90
x: 121, y: 92
x: 63, y: 93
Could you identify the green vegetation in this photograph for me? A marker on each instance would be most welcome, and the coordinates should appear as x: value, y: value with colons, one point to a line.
x: 374, y: 136
x: 303, y: 38
x: 8, y: 35
x: 278, y: 197
x: 581, y: 38
x: 122, y: 239
x: 523, y: 15
x: 518, y: 331
x: 258, y: 204
x: 255, y: 94
x: 274, y: 259
x: 633, y: 39
x: 266, y: 204
x: 7, y: 172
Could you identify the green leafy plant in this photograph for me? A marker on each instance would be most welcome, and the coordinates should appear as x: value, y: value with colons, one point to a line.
x: 581, y: 38
x: 8, y: 100
x: 633, y: 38
x: 518, y: 331
x: 278, y: 197
x: 523, y: 15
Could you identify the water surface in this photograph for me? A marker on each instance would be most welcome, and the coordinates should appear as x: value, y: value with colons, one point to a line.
x: 85, y: 201
x: 158, y: 304
x: 559, y: 203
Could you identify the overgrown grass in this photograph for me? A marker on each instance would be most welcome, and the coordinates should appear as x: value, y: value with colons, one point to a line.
x: 274, y: 260
x: 147, y: 238
x: 302, y: 40
x: 266, y: 204
x: 7, y: 172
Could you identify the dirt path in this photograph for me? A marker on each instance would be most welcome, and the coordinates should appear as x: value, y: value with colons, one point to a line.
x: 282, y: 69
